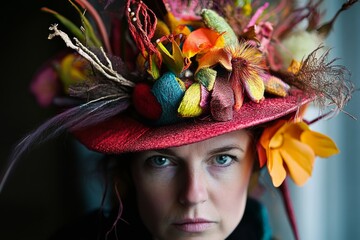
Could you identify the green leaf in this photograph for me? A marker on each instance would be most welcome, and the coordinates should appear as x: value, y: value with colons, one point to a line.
x: 67, y: 23
x: 89, y: 30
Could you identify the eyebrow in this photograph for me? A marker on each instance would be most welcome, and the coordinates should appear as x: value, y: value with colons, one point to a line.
x: 226, y: 149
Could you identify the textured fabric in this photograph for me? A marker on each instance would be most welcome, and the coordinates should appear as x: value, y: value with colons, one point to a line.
x: 124, y: 133
x: 222, y: 101
x: 94, y: 226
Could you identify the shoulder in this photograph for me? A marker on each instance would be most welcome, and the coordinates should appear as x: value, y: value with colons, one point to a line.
x: 97, y: 225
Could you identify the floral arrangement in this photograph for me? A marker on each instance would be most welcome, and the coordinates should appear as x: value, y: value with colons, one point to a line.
x: 181, y: 60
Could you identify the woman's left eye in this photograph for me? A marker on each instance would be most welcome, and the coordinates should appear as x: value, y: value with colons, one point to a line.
x: 223, y: 160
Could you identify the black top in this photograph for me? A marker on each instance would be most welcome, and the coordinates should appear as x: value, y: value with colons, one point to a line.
x: 97, y: 226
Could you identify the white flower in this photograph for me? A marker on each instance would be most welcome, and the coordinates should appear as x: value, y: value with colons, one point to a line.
x: 298, y: 45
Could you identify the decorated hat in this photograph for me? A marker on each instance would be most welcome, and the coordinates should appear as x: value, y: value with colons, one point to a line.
x: 165, y: 74
x: 144, y: 75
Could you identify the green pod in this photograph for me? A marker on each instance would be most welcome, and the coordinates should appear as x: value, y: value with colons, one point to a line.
x: 207, y: 77
x: 217, y: 23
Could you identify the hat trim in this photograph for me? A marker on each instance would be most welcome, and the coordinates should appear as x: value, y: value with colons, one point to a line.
x: 126, y: 134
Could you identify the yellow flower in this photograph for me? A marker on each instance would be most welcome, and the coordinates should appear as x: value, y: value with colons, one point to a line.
x: 71, y: 70
x: 291, y: 148
x: 247, y: 68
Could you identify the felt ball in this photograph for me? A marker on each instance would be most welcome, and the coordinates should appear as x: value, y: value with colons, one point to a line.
x: 145, y: 102
x: 169, y: 93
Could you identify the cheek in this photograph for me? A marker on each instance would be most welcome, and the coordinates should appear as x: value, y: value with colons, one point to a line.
x: 230, y: 198
x: 233, y: 198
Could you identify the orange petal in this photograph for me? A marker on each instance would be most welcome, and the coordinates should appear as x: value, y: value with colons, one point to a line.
x: 301, y: 112
x: 201, y: 40
x: 269, y: 132
x: 299, y: 159
x: 261, y: 154
x: 322, y: 145
x: 276, y: 168
x: 277, y: 139
x: 238, y: 93
x: 294, y: 67
x: 182, y: 29
x: 215, y: 56
x: 295, y: 129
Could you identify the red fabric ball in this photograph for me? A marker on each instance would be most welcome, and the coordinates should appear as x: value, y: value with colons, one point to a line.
x: 145, y: 102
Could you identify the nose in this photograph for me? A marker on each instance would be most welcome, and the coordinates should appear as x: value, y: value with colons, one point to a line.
x: 193, y: 187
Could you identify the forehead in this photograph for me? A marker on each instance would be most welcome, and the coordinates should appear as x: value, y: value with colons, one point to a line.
x: 239, y: 143
x: 240, y: 138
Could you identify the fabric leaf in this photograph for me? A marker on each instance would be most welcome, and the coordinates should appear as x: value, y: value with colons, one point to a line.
x: 190, y: 104
x: 299, y: 159
x: 276, y: 168
x: 322, y: 145
x: 174, y: 60
x: 213, y: 57
x: 201, y: 40
x: 255, y: 87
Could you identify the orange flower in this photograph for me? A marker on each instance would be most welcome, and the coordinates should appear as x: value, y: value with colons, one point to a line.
x: 291, y: 148
x: 208, y: 46
x: 201, y: 40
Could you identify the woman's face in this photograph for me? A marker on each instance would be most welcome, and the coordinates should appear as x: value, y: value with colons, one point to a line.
x: 196, y: 191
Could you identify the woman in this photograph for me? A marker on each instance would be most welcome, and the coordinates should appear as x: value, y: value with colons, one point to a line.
x: 202, y: 96
x: 196, y: 190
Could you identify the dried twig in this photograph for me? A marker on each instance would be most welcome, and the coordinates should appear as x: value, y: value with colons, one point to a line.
x: 107, y: 71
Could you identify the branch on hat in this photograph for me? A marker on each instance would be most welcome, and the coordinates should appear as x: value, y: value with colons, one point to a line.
x: 107, y: 71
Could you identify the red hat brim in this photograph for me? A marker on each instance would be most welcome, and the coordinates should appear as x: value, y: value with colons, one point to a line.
x: 125, y: 134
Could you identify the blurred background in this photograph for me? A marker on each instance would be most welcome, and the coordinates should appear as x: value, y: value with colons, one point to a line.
x: 41, y: 194
x: 327, y: 207
x: 45, y: 189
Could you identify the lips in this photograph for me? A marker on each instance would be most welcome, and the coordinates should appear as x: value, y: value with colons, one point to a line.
x: 194, y: 225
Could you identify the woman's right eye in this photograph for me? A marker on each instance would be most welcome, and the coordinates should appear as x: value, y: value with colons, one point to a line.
x: 159, y: 161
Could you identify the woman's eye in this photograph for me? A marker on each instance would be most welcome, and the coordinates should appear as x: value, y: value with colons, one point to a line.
x: 223, y: 160
x: 159, y: 161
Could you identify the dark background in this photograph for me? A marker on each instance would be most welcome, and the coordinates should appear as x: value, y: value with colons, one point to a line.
x: 42, y: 192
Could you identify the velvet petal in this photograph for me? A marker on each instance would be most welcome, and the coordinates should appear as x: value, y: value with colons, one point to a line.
x: 299, y: 159
x: 322, y: 145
